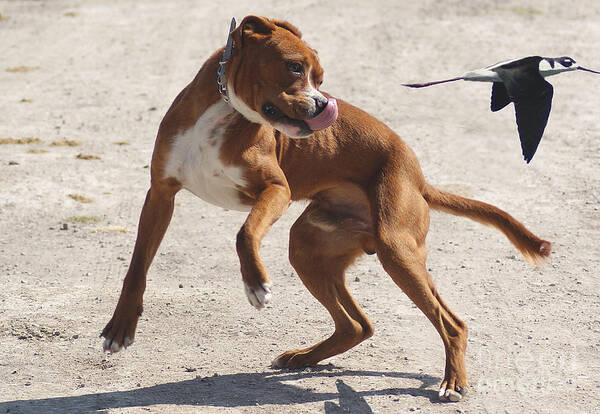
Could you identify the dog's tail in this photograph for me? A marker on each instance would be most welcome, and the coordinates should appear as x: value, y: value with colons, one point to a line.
x: 534, y: 249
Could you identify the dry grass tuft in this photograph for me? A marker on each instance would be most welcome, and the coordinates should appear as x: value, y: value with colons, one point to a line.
x: 111, y: 229
x: 84, y: 219
x: 87, y: 157
x: 121, y: 143
x: 37, y: 151
x: 20, y: 141
x: 65, y: 143
x: 80, y: 198
x: 21, y: 69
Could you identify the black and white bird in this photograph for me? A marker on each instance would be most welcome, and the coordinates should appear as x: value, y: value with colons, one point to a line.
x: 521, y: 81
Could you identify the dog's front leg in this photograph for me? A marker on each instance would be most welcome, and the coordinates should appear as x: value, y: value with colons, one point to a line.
x: 119, y: 332
x: 270, y: 205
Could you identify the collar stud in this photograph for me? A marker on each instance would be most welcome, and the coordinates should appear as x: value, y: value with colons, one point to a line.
x: 221, y: 78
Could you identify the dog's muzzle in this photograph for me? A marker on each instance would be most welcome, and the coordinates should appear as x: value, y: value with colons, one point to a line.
x: 325, y: 117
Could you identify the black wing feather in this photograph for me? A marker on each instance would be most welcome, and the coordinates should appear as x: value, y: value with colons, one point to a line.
x: 500, y: 97
x: 532, y: 117
x: 532, y: 96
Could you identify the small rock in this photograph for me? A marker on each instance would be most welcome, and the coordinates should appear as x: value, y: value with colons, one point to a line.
x: 13, y: 163
x: 180, y: 286
x: 64, y: 226
x: 357, y: 279
x: 75, y: 336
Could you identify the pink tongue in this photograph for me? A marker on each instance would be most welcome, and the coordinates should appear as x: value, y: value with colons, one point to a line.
x: 325, y: 118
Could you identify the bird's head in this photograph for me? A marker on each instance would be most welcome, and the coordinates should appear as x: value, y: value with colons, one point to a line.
x: 552, y: 66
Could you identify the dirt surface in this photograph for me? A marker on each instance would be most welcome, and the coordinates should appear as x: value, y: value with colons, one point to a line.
x: 92, y: 80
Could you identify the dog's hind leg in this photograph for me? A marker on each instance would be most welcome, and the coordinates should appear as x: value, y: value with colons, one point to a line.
x: 156, y: 215
x: 401, y: 221
x: 322, y: 246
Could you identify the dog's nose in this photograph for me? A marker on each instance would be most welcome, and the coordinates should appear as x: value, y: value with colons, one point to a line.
x: 320, y: 104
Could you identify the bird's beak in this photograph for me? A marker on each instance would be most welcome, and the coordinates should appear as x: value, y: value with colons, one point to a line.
x: 588, y: 70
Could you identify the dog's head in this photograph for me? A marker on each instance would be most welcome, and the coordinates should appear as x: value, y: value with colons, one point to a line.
x: 273, y: 78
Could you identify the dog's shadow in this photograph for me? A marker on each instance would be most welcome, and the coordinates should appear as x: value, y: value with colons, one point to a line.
x: 234, y: 390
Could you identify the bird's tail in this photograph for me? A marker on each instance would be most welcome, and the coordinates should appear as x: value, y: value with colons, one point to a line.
x: 534, y: 249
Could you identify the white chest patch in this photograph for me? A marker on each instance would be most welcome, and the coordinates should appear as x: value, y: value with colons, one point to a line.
x: 194, y: 161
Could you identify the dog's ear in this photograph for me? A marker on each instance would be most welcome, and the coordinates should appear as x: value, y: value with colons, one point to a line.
x: 252, y: 25
x: 288, y: 26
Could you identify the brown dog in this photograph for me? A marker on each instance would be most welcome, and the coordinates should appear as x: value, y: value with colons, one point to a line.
x: 276, y: 138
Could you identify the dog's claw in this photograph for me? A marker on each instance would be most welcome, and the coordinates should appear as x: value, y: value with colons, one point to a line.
x: 113, y: 347
x: 446, y: 394
x: 258, y: 297
x: 110, y: 346
x: 276, y: 363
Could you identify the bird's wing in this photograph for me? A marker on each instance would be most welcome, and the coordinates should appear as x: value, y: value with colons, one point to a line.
x: 500, y: 97
x: 532, y: 117
x: 532, y: 96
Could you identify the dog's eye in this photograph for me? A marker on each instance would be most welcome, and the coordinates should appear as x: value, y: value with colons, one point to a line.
x: 270, y: 110
x: 295, y: 67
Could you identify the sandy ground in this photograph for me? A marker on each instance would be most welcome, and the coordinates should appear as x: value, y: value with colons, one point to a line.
x: 102, y: 74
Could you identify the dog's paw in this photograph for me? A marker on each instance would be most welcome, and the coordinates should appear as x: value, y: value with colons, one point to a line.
x: 259, y: 296
x: 119, y: 332
x: 291, y: 360
x: 452, y: 395
x: 112, y: 346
